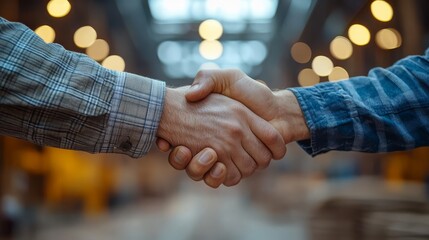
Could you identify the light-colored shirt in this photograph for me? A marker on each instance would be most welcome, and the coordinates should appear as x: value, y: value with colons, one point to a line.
x: 386, y: 111
x: 51, y: 96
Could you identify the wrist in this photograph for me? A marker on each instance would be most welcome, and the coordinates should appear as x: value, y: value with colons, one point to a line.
x: 171, y: 105
x: 290, y: 119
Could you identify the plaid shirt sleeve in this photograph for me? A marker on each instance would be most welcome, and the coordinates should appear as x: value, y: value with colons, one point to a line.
x: 54, y: 97
x: 386, y: 111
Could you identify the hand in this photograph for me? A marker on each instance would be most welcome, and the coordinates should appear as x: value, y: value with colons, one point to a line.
x: 242, y: 140
x: 280, y: 108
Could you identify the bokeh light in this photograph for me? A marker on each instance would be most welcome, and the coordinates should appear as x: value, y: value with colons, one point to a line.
x: 252, y: 52
x: 359, y: 34
x: 58, y: 8
x: 170, y: 52
x: 338, y: 73
x: 341, y: 48
x: 211, y: 50
x: 307, y: 77
x: 46, y: 32
x: 85, y: 36
x: 388, y: 38
x: 98, y: 50
x: 301, y: 52
x: 211, y: 29
x: 382, y: 10
x: 209, y: 66
x: 322, y: 66
x: 114, y: 62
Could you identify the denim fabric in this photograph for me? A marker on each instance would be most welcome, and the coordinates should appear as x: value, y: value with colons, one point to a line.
x: 388, y: 110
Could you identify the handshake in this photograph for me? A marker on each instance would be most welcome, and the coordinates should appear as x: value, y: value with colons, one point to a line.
x: 227, y: 125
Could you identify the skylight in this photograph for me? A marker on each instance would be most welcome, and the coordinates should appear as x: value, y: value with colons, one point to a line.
x: 224, y: 10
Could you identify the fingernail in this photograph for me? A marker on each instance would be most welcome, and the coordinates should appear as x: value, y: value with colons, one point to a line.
x: 180, y: 157
x: 216, y: 172
x: 206, y: 158
x: 194, y: 87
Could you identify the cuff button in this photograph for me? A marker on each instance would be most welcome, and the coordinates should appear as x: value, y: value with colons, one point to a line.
x: 126, y: 146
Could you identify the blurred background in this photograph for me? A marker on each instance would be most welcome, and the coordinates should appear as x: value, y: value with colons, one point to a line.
x: 48, y: 193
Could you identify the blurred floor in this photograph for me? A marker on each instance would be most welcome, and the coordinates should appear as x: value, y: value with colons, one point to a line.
x: 195, y: 213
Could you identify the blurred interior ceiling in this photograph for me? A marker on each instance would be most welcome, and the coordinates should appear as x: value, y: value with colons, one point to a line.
x: 255, y: 32
x: 164, y: 39
x: 167, y: 30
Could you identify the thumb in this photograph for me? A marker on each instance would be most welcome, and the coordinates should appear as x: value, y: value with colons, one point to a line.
x: 202, y: 86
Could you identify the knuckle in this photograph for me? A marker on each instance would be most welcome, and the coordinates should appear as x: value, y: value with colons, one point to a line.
x: 235, y: 130
x: 272, y: 137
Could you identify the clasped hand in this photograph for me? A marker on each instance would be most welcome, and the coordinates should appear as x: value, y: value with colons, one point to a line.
x: 224, y: 127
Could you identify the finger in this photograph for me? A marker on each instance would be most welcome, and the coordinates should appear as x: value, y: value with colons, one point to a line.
x: 201, y: 164
x: 233, y: 175
x: 244, y: 162
x: 268, y: 135
x: 216, y: 176
x: 202, y: 86
x: 163, y: 145
x: 180, y: 157
x: 257, y: 150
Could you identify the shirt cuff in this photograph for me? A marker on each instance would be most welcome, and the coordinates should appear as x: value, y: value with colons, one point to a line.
x: 136, y: 110
x: 328, y: 112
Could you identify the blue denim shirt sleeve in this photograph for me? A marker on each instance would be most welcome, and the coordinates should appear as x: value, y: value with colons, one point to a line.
x: 388, y: 110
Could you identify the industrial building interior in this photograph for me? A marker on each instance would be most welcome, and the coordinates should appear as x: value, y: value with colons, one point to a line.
x: 48, y: 193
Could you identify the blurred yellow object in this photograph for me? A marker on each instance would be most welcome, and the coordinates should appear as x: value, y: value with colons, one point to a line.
x: 394, y: 170
x: 85, y: 36
x: 322, y: 66
x: 114, y: 62
x: 47, y: 33
x: 211, y: 29
x: 337, y: 74
x: 301, y: 52
x: 359, y: 34
x: 58, y: 8
x: 307, y: 77
x: 382, y: 10
x: 211, y: 50
x: 76, y: 175
x: 341, y: 48
x: 98, y: 50
x: 388, y: 38
x: 31, y: 161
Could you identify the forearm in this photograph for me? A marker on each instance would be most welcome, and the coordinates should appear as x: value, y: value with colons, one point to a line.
x: 55, y: 97
x: 386, y: 111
